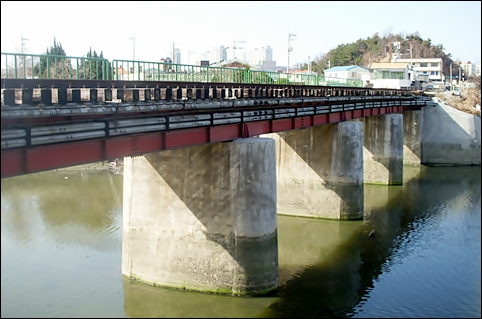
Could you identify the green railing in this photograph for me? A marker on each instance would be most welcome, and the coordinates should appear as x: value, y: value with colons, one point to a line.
x: 37, y: 66
x: 41, y: 66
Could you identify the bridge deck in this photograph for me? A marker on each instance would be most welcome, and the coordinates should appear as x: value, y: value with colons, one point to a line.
x: 88, y: 121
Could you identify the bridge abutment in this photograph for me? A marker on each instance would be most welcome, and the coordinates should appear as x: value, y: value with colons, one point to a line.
x: 320, y: 171
x: 450, y: 136
x: 383, y: 149
x: 203, y: 218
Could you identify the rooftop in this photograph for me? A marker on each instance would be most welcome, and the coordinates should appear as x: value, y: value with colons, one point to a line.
x: 393, y: 65
x: 343, y: 68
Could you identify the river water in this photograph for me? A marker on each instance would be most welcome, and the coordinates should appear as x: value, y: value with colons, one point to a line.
x: 61, y: 239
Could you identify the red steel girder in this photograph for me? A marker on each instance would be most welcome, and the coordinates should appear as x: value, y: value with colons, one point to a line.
x: 46, y: 157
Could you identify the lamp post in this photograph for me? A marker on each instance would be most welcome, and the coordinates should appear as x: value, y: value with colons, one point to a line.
x: 290, y: 36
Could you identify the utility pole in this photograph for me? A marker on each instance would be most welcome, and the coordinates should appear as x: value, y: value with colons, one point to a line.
x: 290, y: 35
x: 22, y: 47
x: 329, y: 63
x: 411, y: 57
x: 309, y: 65
x: 236, y: 47
x: 22, y: 50
x: 173, y: 48
x: 133, y: 48
x: 460, y: 75
x: 451, y: 77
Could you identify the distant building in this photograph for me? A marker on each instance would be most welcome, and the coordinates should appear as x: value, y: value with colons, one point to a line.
x: 346, y: 72
x: 468, y: 69
x: 262, y: 57
x: 219, y: 53
x: 177, y: 56
x: 431, y: 67
x: 397, y: 75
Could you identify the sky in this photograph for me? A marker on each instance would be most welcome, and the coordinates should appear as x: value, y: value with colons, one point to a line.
x: 199, y: 26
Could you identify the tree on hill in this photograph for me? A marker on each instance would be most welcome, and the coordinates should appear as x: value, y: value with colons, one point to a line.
x: 364, y: 52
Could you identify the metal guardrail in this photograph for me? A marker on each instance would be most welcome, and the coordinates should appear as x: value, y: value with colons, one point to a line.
x: 216, y: 115
x: 38, y: 66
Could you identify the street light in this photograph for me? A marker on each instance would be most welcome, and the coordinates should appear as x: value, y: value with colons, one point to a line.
x: 290, y: 36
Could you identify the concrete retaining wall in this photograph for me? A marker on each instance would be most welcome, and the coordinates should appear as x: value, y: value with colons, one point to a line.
x: 450, y: 136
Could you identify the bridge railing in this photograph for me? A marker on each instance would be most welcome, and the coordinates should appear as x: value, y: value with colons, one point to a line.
x: 161, y: 71
x: 41, y: 66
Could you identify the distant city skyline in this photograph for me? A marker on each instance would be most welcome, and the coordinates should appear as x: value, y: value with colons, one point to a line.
x: 201, y: 26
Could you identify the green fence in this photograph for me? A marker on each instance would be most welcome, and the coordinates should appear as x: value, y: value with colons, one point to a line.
x: 36, y: 66
x: 40, y: 66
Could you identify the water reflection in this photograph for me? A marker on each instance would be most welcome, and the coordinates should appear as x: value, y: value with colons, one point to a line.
x: 61, y: 254
x: 70, y: 206
x: 414, y: 222
x: 141, y: 300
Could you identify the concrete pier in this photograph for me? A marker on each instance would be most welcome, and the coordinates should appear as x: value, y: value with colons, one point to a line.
x: 383, y: 149
x: 203, y: 218
x: 320, y: 171
x: 412, y: 137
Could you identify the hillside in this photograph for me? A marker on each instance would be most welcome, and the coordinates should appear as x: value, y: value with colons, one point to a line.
x: 364, y: 52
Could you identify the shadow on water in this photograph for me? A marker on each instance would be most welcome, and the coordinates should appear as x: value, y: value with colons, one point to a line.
x: 335, y: 282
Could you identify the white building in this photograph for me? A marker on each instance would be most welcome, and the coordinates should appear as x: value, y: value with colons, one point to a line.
x: 219, y: 53
x: 176, y: 56
x: 346, y: 72
x: 469, y: 69
x: 397, y: 75
x: 431, y: 67
x: 262, y: 57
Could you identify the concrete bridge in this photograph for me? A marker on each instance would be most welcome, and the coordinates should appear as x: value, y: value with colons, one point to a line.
x: 209, y: 166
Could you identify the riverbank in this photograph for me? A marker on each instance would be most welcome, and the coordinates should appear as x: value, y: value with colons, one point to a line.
x: 468, y: 101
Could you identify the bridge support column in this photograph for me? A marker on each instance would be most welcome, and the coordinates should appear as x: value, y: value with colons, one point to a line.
x: 412, y: 130
x: 320, y: 171
x: 203, y: 218
x: 383, y: 149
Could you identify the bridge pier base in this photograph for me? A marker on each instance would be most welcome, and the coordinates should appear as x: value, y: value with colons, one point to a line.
x: 320, y: 171
x: 383, y: 149
x: 412, y: 130
x: 203, y: 218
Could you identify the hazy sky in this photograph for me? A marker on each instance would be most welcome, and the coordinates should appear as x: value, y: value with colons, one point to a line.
x: 201, y: 25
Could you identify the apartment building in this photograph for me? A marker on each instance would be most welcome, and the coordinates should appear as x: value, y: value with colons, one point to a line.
x: 425, y: 67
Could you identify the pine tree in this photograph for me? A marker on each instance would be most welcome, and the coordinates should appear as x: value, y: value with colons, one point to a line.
x: 52, y: 65
x: 95, y: 67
